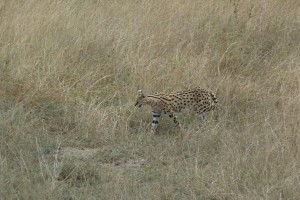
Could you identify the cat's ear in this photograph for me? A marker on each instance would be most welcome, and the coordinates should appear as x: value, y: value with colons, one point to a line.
x: 142, y: 93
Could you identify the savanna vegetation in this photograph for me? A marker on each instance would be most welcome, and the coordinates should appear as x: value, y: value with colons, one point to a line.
x: 69, y: 75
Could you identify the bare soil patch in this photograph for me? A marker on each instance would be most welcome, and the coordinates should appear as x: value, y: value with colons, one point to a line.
x: 128, y: 163
x: 77, y: 152
x: 123, y: 162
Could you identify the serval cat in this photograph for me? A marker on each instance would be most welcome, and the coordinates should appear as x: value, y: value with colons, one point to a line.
x: 198, y: 100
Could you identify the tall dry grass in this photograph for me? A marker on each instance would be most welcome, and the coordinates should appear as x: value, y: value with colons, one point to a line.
x: 69, y: 75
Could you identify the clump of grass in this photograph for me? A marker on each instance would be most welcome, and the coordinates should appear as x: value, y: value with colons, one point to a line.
x: 78, y: 173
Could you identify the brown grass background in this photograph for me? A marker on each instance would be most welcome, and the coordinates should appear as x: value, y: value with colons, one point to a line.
x: 69, y: 73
